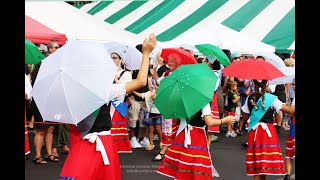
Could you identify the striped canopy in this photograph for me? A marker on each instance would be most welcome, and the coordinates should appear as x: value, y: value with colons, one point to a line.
x: 268, y: 21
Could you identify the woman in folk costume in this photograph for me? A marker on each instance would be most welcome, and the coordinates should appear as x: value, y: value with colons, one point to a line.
x: 215, y: 66
x: 92, y: 155
x: 291, y: 139
x: 27, y: 90
x: 169, y: 126
x: 118, y: 110
x: 188, y: 157
x: 264, y: 154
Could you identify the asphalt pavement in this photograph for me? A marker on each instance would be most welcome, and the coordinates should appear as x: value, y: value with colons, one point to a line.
x: 228, y: 157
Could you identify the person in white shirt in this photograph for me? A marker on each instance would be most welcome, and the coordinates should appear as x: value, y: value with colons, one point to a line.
x: 27, y: 91
x: 119, y: 129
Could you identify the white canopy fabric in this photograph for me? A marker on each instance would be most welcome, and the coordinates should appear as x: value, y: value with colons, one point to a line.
x: 268, y: 21
x: 76, y: 24
x: 290, y: 75
x: 221, y: 36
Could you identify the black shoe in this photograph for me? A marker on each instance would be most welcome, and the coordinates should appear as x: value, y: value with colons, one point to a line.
x: 245, y: 145
x: 239, y: 133
x: 286, y: 177
x: 161, y: 157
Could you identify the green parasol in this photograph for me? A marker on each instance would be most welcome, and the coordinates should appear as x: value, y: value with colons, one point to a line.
x: 211, y: 50
x: 185, y: 91
x: 32, y: 53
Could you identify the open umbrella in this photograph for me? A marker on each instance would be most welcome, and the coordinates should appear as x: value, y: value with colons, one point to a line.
x: 289, y: 73
x: 211, y: 50
x: 185, y: 91
x: 187, y: 58
x: 252, y: 69
x: 74, y: 82
x: 32, y: 53
x: 272, y: 58
x: 130, y: 55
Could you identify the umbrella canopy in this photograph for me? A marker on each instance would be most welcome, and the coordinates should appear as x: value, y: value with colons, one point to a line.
x: 186, y: 57
x: 32, y: 53
x: 185, y: 91
x: 289, y: 73
x: 41, y: 34
x: 267, y: 22
x: 74, y: 81
x: 211, y: 50
x: 130, y: 55
x: 272, y: 58
x: 252, y: 69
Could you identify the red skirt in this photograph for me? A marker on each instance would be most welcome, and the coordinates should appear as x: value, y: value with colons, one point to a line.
x: 192, y: 163
x: 264, y: 154
x: 291, y: 142
x: 167, y: 138
x: 119, y: 133
x: 84, y: 162
x: 215, y: 113
x: 290, y: 147
x: 26, y: 136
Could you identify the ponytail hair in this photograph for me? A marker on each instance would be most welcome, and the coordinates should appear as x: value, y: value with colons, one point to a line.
x: 257, y: 86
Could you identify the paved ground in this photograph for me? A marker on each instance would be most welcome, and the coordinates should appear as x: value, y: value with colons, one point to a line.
x: 228, y: 158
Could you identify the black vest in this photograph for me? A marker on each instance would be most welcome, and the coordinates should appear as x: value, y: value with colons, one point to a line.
x: 196, y: 120
x: 267, y: 117
x: 103, y: 120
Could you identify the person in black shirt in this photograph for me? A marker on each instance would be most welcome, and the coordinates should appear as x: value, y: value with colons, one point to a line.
x: 136, y: 113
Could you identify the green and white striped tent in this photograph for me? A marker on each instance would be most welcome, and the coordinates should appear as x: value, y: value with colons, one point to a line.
x: 268, y: 21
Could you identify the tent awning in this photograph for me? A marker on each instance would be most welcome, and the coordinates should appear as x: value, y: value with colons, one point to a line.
x: 269, y: 21
x: 77, y: 24
x: 41, y: 34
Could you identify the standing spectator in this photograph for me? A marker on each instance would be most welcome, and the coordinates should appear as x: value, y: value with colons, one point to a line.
x: 244, y: 92
x: 52, y: 46
x: 30, y: 117
x: 174, y: 61
x: 201, y: 59
x: 61, y: 134
x: 136, y: 114
x: 27, y: 90
x: 44, y: 130
x: 281, y: 94
x: 153, y: 119
x: 162, y: 66
x: 231, y: 102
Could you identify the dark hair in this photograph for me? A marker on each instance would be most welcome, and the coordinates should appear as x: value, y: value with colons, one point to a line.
x: 139, y: 47
x: 280, y: 87
x: 200, y: 59
x: 257, y: 85
x: 216, y: 65
x: 117, y: 55
x: 230, y: 84
x: 261, y: 57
